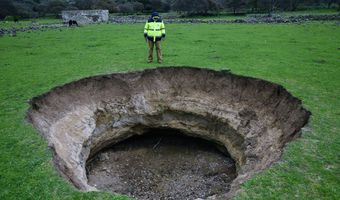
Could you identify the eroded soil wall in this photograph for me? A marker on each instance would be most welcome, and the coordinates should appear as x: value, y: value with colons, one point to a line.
x: 253, y: 119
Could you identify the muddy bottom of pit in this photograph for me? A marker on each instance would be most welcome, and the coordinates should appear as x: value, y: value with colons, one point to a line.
x: 162, y: 164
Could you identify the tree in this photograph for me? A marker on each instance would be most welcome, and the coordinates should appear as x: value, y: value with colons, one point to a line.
x: 166, y: 7
x: 56, y: 6
x: 83, y: 4
x: 156, y: 5
x: 267, y: 5
x: 147, y: 7
x: 254, y: 5
x: 7, y: 8
x: 104, y: 4
x: 126, y: 8
x: 137, y: 7
x: 25, y: 8
x: 291, y: 5
x: 71, y: 5
x: 199, y: 7
x: 236, y: 4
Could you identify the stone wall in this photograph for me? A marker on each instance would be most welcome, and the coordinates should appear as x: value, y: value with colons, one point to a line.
x: 85, y: 16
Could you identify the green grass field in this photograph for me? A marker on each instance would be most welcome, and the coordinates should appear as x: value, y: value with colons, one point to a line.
x: 303, y: 58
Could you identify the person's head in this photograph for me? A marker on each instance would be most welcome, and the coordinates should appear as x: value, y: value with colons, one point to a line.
x: 154, y: 14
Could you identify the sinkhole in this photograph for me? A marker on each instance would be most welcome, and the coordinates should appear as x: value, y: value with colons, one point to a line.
x: 166, y: 133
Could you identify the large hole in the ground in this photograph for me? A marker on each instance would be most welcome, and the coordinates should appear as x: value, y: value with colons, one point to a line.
x: 246, y: 118
x: 163, y: 164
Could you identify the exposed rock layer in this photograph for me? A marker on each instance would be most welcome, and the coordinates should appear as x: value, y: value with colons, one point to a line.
x: 252, y: 118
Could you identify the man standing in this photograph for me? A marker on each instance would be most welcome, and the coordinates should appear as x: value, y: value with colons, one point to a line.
x: 154, y: 32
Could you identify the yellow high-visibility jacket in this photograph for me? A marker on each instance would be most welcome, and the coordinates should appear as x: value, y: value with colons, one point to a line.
x: 154, y: 29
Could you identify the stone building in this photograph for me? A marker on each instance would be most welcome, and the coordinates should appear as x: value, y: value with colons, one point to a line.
x: 85, y: 16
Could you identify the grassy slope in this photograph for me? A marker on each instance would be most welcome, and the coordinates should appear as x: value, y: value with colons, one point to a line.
x: 304, y: 58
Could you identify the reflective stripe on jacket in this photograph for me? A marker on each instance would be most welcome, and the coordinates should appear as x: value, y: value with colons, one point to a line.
x: 154, y: 28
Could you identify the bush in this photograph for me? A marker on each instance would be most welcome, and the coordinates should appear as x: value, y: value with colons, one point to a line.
x: 200, y: 7
x: 11, y: 18
x: 6, y: 8
x: 125, y: 8
x: 56, y: 6
x: 105, y: 4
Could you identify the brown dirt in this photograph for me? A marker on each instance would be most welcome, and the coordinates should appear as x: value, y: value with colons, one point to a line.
x: 163, y: 164
x: 253, y: 119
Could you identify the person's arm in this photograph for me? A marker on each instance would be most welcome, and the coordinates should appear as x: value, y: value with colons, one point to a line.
x: 163, y: 30
x: 146, y: 28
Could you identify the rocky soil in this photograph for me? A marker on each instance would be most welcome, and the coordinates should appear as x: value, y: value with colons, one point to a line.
x: 163, y: 164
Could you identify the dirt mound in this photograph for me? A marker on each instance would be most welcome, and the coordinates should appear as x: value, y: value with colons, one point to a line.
x: 252, y: 119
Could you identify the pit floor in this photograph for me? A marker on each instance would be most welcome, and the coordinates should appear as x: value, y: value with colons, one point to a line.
x: 162, y: 164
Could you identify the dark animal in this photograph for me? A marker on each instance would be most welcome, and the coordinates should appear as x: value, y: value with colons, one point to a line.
x: 72, y: 23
